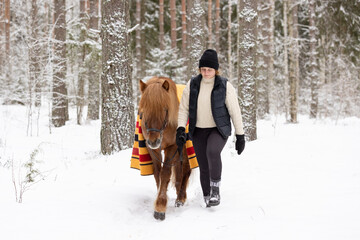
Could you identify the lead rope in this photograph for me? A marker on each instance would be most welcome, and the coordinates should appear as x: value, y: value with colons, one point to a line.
x: 172, y: 158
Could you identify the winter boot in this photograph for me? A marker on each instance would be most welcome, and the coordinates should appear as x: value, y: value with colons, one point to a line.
x: 215, y: 193
x: 206, y: 200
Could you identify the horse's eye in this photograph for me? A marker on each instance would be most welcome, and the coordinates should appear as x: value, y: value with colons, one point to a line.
x: 141, y: 115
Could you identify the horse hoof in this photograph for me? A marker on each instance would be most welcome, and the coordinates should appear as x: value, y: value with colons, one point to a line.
x: 159, y: 215
x: 179, y: 203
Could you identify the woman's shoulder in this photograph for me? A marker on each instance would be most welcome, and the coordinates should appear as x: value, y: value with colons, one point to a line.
x: 189, y: 82
x: 230, y: 87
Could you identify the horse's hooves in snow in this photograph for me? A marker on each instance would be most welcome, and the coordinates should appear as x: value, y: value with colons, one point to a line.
x: 159, y: 215
x: 178, y: 203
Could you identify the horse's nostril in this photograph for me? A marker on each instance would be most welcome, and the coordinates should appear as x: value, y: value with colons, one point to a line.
x: 157, y: 141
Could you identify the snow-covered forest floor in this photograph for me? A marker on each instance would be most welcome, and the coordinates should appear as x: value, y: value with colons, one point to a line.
x: 297, y: 181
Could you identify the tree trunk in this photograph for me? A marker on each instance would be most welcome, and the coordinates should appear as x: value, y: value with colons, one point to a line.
x: 293, y: 61
x: 197, y: 36
x: 173, y: 23
x: 7, y: 29
x: 313, y: 62
x: 190, y: 4
x: 247, y: 65
x: 138, y: 68
x: 2, y: 30
x: 210, y: 41
x: 184, y: 28
x: 94, y: 14
x: 266, y: 60
x: 286, y: 58
x: 261, y: 84
x: 80, y: 101
x: 161, y: 24
x: 138, y: 60
x: 143, y: 45
x: 94, y: 65
x: 229, y: 53
x: 59, y: 101
x: 117, y: 120
x: 217, y: 25
x: 270, y: 58
x: 35, y: 62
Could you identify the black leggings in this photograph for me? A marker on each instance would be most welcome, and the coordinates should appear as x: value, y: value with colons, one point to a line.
x: 208, y: 144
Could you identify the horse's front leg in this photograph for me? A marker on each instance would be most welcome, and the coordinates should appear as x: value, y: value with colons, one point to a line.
x: 161, y: 200
x: 157, y: 166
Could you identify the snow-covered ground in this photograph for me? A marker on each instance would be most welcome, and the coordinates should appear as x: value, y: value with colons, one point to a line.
x: 297, y: 181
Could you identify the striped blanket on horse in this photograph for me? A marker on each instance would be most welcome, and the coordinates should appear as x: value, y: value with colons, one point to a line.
x: 140, y: 158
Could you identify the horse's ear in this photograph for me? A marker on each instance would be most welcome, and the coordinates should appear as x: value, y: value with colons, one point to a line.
x: 166, y: 85
x: 142, y: 86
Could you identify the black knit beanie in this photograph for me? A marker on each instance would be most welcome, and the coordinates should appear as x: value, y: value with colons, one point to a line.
x: 209, y: 59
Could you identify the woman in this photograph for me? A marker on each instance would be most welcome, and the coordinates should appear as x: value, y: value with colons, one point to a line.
x: 208, y: 102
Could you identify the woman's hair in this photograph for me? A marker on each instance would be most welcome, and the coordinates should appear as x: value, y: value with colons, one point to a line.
x: 217, y: 72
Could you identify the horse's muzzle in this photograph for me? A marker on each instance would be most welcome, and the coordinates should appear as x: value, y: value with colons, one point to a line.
x: 154, y: 144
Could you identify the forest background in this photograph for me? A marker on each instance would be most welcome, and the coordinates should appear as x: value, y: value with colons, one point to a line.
x: 286, y: 57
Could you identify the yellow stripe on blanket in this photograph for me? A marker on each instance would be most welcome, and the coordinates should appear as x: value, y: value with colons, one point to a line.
x: 140, y: 158
x: 180, y: 89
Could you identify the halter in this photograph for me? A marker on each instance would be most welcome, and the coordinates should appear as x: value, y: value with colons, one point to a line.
x: 155, y: 129
x: 161, y: 131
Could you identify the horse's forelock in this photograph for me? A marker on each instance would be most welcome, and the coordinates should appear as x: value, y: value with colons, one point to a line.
x: 155, y: 100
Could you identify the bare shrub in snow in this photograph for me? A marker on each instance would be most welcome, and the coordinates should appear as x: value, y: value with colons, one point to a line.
x: 24, y: 176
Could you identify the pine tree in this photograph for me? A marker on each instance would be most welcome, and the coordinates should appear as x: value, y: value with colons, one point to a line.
x: 94, y: 62
x: 293, y: 60
x: 229, y: 43
x: 217, y: 25
x: 184, y: 28
x: 117, y: 121
x: 6, y: 67
x: 196, y: 37
x: 59, y: 101
x: 7, y: 27
x: 338, y: 24
x: 161, y: 24
x: 138, y: 71
x: 247, y: 65
x: 173, y: 36
x: 210, y: 23
x: 2, y: 29
x: 80, y: 96
x: 265, y: 57
x: 36, y: 43
x: 313, y: 61
x: 173, y: 24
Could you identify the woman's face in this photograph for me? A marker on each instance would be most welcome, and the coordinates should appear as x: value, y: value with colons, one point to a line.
x: 207, y: 72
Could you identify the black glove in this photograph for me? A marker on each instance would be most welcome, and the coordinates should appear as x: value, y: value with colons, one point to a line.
x: 180, y: 138
x: 240, y: 143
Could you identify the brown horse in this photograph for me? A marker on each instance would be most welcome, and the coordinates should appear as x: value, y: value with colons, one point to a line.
x: 158, y: 111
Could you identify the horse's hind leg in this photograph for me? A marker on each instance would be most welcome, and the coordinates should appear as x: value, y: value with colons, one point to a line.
x: 161, y: 200
x: 178, y: 183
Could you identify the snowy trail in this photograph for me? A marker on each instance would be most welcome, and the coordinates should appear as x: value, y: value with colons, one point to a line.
x: 303, y: 182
